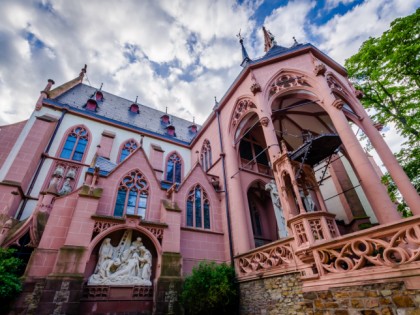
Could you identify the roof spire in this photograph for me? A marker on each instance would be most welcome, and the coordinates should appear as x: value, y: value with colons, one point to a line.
x: 295, y: 42
x: 245, y: 57
x: 136, y: 99
x: 83, y: 72
x: 100, y: 88
x: 269, y: 41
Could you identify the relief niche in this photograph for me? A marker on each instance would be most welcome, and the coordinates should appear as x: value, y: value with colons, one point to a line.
x: 128, y: 263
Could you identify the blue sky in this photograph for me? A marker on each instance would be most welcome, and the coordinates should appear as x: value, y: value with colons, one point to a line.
x: 170, y: 53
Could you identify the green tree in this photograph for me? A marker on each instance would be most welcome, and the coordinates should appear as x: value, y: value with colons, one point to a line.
x: 10, y: 283
x: 210, y: 289
x: 387, y: 70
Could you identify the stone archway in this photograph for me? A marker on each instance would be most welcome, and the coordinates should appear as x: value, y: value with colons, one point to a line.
x: 116, y: 277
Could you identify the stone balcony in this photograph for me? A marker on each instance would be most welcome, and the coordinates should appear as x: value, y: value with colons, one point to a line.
x: 383, y: 253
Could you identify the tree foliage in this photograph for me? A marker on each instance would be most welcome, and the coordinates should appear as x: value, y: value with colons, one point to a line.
x: 387, y: 70
x: 210, y: 289
x: 9, y: 274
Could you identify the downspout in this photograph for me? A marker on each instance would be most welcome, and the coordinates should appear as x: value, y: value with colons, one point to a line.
x: 222, y: 155
x: 38, y: 169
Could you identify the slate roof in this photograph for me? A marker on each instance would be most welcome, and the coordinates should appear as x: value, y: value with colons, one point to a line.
x: 116, y: 109
x: 277, y: 50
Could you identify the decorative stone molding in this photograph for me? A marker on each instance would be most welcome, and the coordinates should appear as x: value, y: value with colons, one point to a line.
x: 255, y: 88
x: 320, y: 69
x: 334, y: 85
x: 264, y: 121
x: 101, y: 226
x: 277, y: 255
x: 389, y: 249
x: 378, y: 126
x: 285, y: 81
x: 338, y: 103
x: 359, y: 94
x: 156, y: 231
x: 241, y: 108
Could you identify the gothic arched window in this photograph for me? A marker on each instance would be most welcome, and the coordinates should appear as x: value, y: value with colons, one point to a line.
x: 174, y: 169
x: 198, y: 208
x: 127, y: 149
x: 75, y: 145
x: 133, y: 192
x: 205, y: 156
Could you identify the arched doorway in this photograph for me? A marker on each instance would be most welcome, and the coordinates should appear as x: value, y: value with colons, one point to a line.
x: 264, y: 226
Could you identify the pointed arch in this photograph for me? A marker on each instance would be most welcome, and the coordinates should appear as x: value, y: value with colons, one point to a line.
x: 133, y: 194
x: 205, y: 156
x: 242, y: 107
x: 174, y: 168
x: 287, y: 79
x: 126, y: 149
x: 198, y: 208
x: 76, y: 143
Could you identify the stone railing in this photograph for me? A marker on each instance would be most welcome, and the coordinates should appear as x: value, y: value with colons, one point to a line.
x: 277, y: 257
x: 382, y: 253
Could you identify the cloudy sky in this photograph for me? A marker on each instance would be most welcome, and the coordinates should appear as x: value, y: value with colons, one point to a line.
x: 170, y: 53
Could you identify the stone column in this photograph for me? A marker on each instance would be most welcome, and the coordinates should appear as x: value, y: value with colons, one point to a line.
x: 401, y: 179
x: 241, y: 229
x: 375, y: 191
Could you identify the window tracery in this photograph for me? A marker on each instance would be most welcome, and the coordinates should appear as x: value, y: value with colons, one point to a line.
x: 198, y: 208
x: 132, y: 195
x: 127, y: 149
x: 174, y: 169
x: 75, y: 145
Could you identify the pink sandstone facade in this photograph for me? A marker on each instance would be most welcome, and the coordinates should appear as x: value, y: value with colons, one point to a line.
x: 275, y: 181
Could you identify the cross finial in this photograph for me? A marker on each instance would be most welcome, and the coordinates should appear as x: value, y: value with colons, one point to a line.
x: 241, y: 39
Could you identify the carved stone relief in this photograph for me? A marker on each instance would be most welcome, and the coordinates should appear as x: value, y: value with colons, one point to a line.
x: 129, y: 263
x: 285, y: 81
x: 62, y: 179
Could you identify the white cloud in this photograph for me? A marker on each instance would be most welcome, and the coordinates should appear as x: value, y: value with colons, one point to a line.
x: 290, y: 21
x: 124, y: 43
x: 342, y: 36
x: 331, y: 4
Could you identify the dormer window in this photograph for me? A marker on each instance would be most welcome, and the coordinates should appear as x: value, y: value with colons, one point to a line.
x: 134, y: 108
x: 170, y: 131
x: 92, y: 105
x: 164, y: 120
x: 99, y: 96
x: 192, y: 129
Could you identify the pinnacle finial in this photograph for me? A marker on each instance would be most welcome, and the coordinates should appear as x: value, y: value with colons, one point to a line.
x: 83, y: 71
x: 269, y: 40
x: 245, y: 57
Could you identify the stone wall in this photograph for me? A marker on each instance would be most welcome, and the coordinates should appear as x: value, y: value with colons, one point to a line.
x: 283, y: 295
x: 277, y: 295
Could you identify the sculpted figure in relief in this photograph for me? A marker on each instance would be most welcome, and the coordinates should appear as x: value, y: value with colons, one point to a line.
x: 278, y: 211
x: 129, y: 263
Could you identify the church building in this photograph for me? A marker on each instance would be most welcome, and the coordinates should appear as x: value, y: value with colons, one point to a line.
x: 111, y: 203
